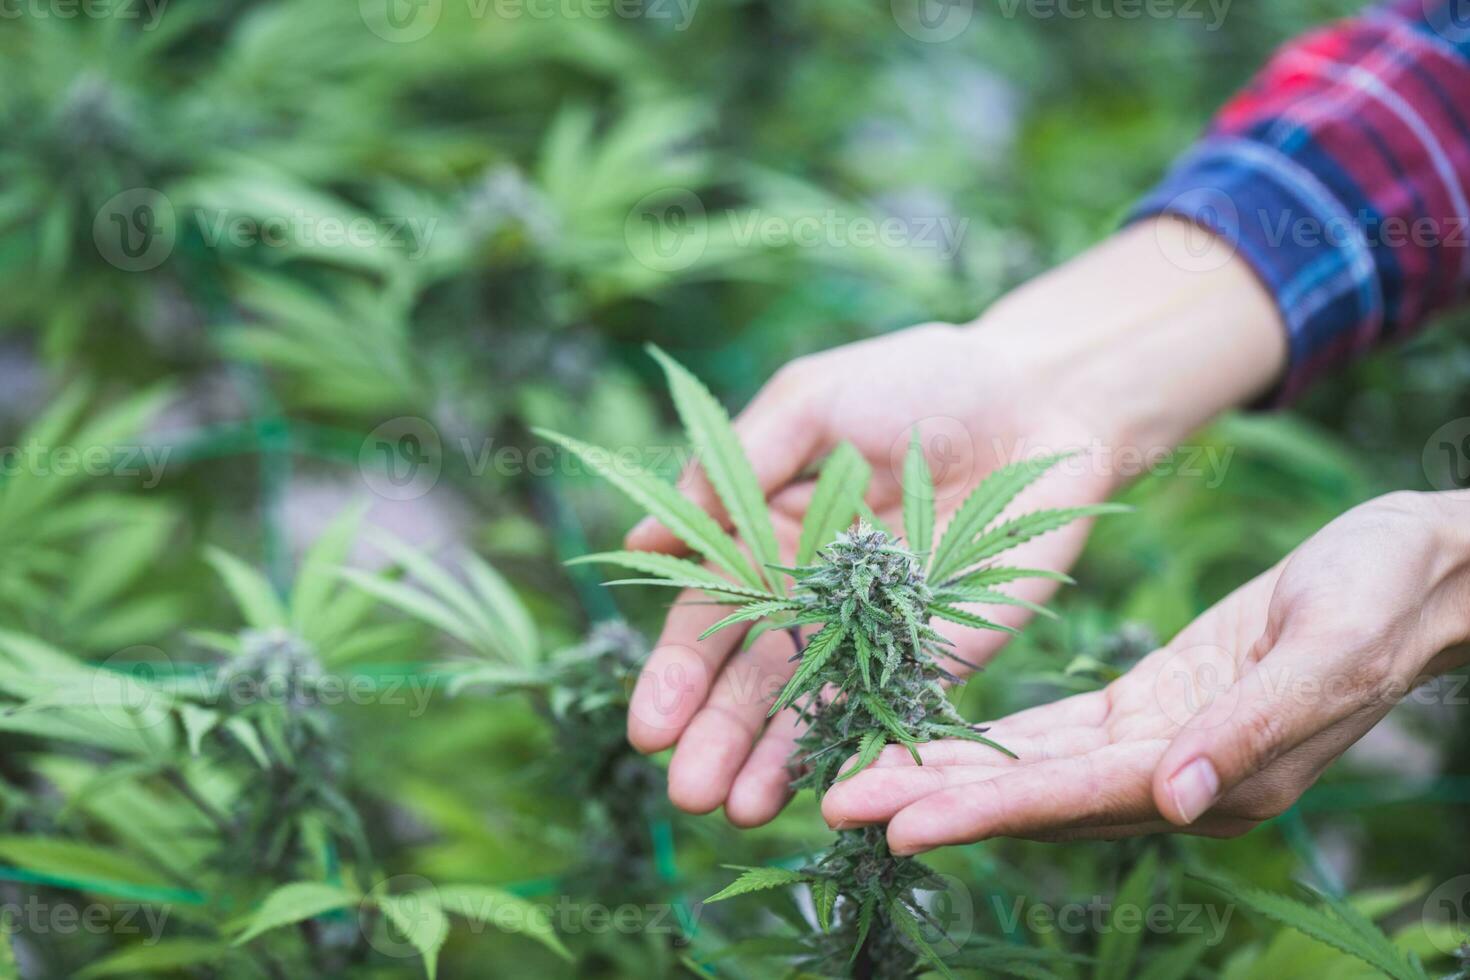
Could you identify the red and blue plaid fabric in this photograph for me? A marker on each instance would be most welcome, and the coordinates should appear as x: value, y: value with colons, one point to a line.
x: 1342, y: 174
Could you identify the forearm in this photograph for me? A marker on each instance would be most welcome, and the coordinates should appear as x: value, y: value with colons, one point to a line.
x: 1447, y: 606
x: 1340, y: 175
x: 1147, y: 336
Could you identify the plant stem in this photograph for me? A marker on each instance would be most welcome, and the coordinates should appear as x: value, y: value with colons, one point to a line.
x: 176, y: 779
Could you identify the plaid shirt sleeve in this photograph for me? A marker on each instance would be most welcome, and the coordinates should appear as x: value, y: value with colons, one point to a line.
x: 1341, y: 174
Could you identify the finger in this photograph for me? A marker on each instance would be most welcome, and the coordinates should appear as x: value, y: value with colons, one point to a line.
x: 764, y: 784
x: 793, y: 500
x: 894, y: 781
x: 1056, y: 551
x: 1209, y: 826
x: 876, y: 795
x: 780, y: 434
x: 1244, y: 728
x: 1089, y: 709
x: 1024, y: 749
x: 676, y: 680
x: 719, y: 738
x: 1105, y: 788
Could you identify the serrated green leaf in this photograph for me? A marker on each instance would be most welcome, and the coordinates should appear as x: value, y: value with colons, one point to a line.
x: 990, y: 597
x: 680, y: 571
x: 417, y: 604
x: 819, y: 649
x: 984, y: 504
x: 724, y: 462
x: 836, y: 500
x: 868, y: 750
x: 918, y: 500
x: 197, y: 722
x: 879, y: 709
x: 502, y: 909
x: 444, y: 591
x: 318, y: 576
x: 422, y: 922
x: 824, y: 897
x: 1117, y: 949
x: 1176, y: 962
x: 1326, y: 925
x: 256, y: 599
x: 249, y: 739
x: 729, y: 595
x: 153, y: 958
x: 867, y: 909
x: 1002, y: 575
x: 964, y: 618
x: 866, y: 656
x: 1008, y: 535
x: 971, y: 735
x: 755, y: 610
x: 78, y: 860
x: 757, y: 879
x: 663, y: 501
x: 506, y: 609
x: 908, y: 924
x: 294, y: 903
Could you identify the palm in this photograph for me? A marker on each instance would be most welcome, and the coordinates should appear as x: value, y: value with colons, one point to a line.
x: 1087, y: 764
x: 711, y: 697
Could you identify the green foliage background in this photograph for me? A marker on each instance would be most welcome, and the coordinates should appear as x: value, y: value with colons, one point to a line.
x: 536, y: 153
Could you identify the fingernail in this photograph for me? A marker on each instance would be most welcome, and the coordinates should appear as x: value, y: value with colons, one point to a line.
x: 1193, y: 789
x: 643, y: 527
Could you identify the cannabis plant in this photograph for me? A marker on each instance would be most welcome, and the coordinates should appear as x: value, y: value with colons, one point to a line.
x: 581, y: 693
x: 220, y: 792
x: 72, y: 544
x: 871, y: 669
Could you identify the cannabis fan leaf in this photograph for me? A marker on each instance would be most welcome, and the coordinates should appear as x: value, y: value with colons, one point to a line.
x: 873, y: 671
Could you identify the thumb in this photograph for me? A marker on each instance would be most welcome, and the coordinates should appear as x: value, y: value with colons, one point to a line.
x: 1263, y: 711
x: 779, y: 434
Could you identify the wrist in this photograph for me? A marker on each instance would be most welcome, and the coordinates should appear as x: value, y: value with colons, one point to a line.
x: 1143, y: 349
x: 1447, y: 515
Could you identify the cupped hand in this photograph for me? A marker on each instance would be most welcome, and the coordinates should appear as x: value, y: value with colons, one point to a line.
x: 978, y: 404
x: 1228, y: 724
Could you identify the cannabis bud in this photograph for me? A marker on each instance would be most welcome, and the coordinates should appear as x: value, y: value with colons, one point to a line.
x: 274, y: 667
x: 872, y: 672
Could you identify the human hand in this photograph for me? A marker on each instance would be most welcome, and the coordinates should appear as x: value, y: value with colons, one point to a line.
x: 1117, y: 366
x: 1225, y: 726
